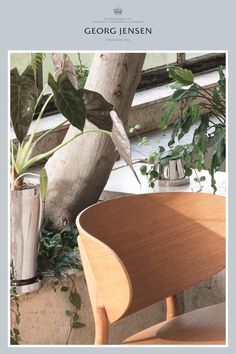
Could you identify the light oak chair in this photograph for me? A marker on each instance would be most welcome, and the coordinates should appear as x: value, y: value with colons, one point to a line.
x: 139, y: 249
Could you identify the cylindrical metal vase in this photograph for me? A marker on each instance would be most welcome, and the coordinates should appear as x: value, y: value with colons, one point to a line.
x: 26, y: 219
x: 172, y: 174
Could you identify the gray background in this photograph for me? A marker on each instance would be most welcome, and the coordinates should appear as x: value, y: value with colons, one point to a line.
x: 182, y: 25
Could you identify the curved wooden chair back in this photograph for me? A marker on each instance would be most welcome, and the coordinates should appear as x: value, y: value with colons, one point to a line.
x: 137, y: 250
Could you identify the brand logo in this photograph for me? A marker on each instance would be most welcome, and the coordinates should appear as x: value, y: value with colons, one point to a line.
x: 117, y: 11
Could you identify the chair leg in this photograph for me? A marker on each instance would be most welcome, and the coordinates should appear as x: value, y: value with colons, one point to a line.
x: 172, y: 307
x: 101, y: 326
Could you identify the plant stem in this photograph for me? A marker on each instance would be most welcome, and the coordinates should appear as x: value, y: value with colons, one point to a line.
x: 47, y: 154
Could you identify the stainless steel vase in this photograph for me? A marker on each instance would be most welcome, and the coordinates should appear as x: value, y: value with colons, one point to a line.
x: 25, y: 222
x: 172, y: 174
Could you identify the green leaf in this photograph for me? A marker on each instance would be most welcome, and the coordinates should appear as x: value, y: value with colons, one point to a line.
x: 182, y: 76
x: 43, y: 183
x: 166, y: 112
x: 97, y: 109
x: 75, y: 300
x: 143, y: 169
x: 68, y: 100
x: 175, y: 85
x: 188, y: 171
x: 219, y: 144
x: 187, y: 93
x: 24, y: 95
x: 194, y: 110
x: 78, y: 325
x: 154, y: 174
x: 137, y: 126
x: 175, y: 131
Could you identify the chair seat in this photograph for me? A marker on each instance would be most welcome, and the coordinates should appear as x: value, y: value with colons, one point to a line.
x: 203, y: 326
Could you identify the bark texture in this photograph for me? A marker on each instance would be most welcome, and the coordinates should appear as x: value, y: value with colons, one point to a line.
x: 78, y: 172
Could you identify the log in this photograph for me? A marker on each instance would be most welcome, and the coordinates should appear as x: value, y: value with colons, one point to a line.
x: 78, y: 172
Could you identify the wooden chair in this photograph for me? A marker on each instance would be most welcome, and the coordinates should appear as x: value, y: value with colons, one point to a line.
x: 139, y: 249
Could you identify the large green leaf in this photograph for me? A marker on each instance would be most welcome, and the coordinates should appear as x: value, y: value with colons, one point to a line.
x: 166, y: 112
x: 24, y: 95
x: 182, y: 76
x: 97, y: 108
x: 218, y: 156
x: 188, y: 93
x: 68, y: 100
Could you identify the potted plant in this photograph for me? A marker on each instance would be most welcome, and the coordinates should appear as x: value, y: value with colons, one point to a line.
x: 27, y: 200
x: 201, y: 108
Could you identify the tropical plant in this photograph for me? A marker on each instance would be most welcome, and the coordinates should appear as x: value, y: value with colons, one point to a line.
x: 203, y: 108
x: 76, y: 105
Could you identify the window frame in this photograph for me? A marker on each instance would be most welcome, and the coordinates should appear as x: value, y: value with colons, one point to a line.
x: 150, y: 78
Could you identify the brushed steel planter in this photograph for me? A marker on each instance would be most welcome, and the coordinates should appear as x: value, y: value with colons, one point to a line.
x: 172, y: 174
x: 25, y: 219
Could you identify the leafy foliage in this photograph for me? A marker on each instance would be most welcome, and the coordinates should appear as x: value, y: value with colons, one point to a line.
x: 75, y: 104
x: 67, y: 100
x: 24, y: 95
x: 209, y: 115
x: 37, y: 58
x: 82, y: 73
x: 97, y: 109
x: 58, y: 249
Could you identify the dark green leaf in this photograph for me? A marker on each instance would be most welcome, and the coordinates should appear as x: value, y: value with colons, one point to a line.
x: 154, y: 174
x: 161, y: 149
x: 97, y: 108
x: 78, y: 325
x: 75, y: 300
x: 176, y: 130
x: 166, y: 112
x: 188, y: 93
x: 24, y: 95
x: 188, y: 171
x: 143, y: 169
x: 219, y: 144
x: 68, y: 100
x: 182, y: 76
x: 194, y: 110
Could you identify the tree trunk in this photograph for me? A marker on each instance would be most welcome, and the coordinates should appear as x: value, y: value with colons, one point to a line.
x: 78, y: 172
